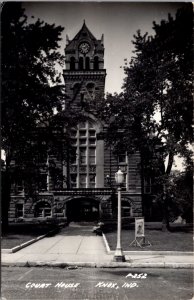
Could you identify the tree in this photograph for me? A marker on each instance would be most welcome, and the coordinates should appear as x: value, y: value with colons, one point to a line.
x: 155, y: 109
x: 31, y: 94
x: 180, y: 190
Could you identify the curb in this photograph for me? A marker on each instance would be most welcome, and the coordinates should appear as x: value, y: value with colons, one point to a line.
x: 21, y: 246
x: 163, y: 253
x: 75, y: 265
x: 128, y: 252
x: 106, y: 243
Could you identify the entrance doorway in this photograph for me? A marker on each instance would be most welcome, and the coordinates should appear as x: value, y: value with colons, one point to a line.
x: 82, y: 209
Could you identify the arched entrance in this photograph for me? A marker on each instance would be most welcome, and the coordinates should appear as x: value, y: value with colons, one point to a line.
x: 82, y: 209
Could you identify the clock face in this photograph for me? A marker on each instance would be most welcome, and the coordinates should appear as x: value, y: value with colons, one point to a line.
x: 84, y: 47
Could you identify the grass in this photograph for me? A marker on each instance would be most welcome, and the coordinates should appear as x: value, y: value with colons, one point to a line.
x: 180, y: 238
x: 20, y: 233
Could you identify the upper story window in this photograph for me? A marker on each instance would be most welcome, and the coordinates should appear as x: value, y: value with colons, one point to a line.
x: 122, y: 158
x: 73, y: 180
x: 147, y: 185
x: 72, y: 63
x: 87, y: 62
x: 81, y: 63
x: 84, y: 142
x: 96, y: 63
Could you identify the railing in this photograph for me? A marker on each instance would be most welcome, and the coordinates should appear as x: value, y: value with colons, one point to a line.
x: 85, y: 191
x: 84, y: 72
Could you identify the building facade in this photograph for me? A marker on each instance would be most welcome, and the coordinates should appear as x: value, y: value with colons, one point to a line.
x: 91, y: 194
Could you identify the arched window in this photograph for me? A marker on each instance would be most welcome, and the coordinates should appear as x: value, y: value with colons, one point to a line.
x: 81, y: 63
x: 72, y: 63
x: 96, y: 63
x: 87, y: 63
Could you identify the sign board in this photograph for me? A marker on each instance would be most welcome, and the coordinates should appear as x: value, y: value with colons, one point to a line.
x: 139, y: 227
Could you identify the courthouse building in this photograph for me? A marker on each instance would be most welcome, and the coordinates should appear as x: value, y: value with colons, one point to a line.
x: 91, y: 194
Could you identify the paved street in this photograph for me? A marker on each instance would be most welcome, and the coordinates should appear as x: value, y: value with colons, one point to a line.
x: 91, y: 283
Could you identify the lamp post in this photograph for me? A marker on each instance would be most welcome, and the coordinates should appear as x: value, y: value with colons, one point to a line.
x: 119, y: 256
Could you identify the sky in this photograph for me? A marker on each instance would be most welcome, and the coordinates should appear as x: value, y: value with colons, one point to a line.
x: 118, y: 21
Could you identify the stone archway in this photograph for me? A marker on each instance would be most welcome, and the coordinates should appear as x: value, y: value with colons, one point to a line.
x: 82, y: 209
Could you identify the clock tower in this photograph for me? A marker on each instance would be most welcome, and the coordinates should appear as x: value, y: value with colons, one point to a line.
x: 84, y: 75
x: 84, y: 78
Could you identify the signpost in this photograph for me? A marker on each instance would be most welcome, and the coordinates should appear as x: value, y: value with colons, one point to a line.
x: 140, y: 240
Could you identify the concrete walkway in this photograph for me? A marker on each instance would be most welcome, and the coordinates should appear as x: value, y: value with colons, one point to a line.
x: 78, y: 246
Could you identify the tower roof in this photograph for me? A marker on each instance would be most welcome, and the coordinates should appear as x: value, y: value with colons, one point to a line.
x: 84, y: 32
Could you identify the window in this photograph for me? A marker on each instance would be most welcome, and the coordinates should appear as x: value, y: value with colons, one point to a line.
x: 147, y: 185
x: 92, y: 141
x: 19, y: 210
x: 96, y: 63
x: 126, y: 208
x: 83, y: 181
x: 92, y: 156
x: 73, y: 156
x: 87, y: 63
x: 92, y: 133
x: 81, y: 63
x: 82, y: 133
x: 84, y: 141
x: 73, y: 180
x: 43, y: 182
x: 72, y: 63
x: 47, y: 212
x: 18, y: 185
x: 122, y: 158
x: 92, y: 180
x: 83, y: 156
x: 43, y: 209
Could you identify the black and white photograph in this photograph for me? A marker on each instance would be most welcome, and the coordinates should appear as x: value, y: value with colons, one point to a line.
x: 96, y: 150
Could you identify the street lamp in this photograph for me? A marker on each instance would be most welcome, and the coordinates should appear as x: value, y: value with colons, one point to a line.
x: 119, y: 256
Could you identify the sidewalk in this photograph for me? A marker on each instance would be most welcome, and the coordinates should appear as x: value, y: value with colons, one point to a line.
x: 78, y: 246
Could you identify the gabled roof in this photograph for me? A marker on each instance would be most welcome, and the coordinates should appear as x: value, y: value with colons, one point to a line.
x: 84, y: 31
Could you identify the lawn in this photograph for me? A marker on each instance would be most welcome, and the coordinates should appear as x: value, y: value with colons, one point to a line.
x: 20, y: 233
x: 179, y: 239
